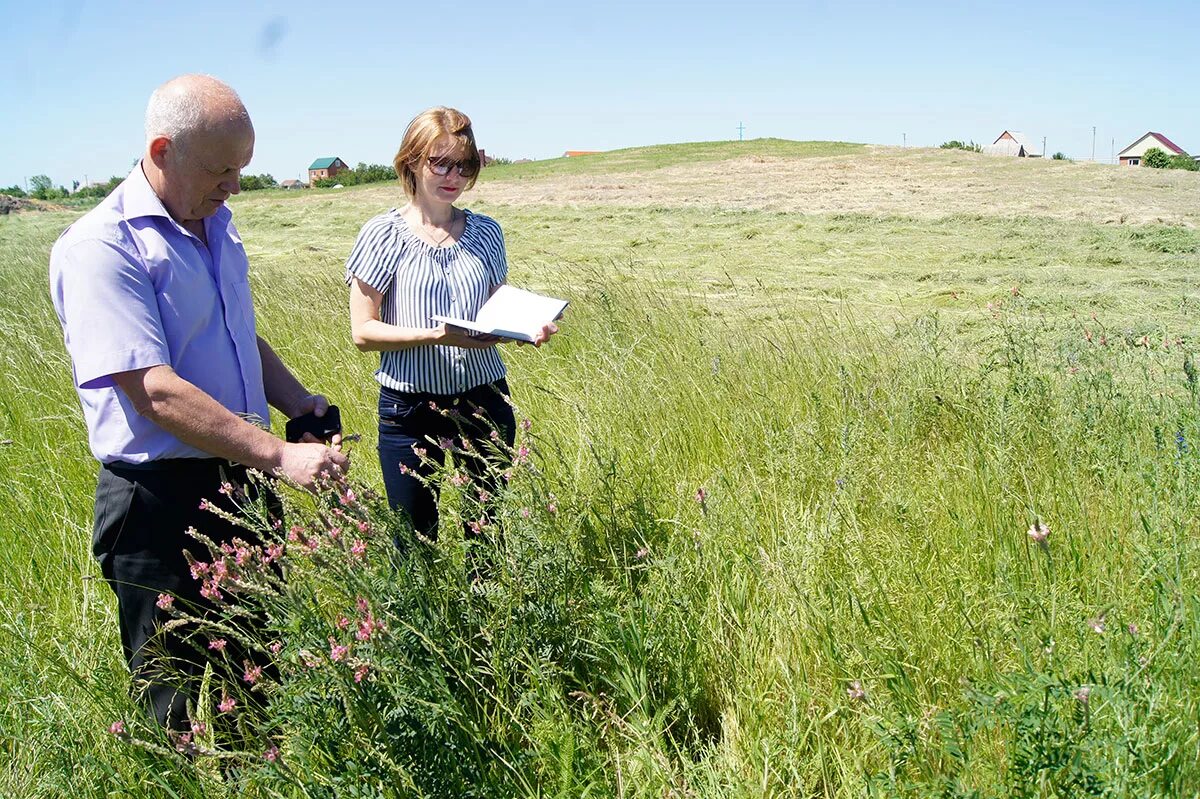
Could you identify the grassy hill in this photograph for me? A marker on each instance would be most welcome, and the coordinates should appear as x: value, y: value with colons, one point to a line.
x: 808, y: 402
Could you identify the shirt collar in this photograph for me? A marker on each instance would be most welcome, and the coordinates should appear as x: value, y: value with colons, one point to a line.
x: 140, y: 200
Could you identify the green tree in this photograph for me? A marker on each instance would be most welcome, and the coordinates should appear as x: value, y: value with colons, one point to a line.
x: 955, y: 144
x: 1183, y: 162
x: 1155, y: 158
x: 40, y: 185
x: 13, y: 191
x: 1059, y: 156
x: 256, y: 182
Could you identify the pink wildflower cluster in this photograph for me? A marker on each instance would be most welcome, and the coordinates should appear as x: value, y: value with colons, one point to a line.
x: 252, y: 673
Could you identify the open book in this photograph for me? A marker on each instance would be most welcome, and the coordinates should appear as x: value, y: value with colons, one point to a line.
x: 511, y: 313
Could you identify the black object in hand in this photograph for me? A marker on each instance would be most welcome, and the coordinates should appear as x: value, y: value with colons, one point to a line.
x: 322, y: 427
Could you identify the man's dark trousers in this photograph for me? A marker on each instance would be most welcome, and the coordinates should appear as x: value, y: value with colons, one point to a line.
x: 142, y: 516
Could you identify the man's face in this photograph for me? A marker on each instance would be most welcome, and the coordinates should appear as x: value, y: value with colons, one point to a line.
x: 202, y: 173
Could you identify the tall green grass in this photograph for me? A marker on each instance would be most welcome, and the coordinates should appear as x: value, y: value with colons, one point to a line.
x: 789, y: 552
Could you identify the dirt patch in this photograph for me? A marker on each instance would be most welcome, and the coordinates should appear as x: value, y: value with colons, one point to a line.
x: 12, y: 205
x: 885, y: 181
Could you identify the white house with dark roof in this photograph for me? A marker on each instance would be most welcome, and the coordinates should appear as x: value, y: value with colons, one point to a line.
x: 1132, y: 155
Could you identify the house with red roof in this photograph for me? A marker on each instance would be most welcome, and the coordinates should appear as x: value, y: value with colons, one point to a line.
x: 1132, y: 155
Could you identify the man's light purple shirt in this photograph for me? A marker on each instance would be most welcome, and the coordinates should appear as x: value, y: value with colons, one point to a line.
x: 132, y: 290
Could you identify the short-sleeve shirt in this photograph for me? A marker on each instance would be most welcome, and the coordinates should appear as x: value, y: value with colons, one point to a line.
x: 134, y: 289
x: 418, y: 280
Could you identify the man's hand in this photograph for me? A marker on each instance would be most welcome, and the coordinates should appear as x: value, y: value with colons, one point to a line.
x: 315, y: 404
x: 304, y: 463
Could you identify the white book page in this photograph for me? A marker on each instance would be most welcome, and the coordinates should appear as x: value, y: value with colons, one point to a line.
x: 512, y: 313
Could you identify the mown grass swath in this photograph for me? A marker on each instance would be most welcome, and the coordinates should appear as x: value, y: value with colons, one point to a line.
x: 772, y: 536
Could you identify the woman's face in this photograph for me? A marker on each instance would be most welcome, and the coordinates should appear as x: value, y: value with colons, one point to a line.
x: 445, y: 156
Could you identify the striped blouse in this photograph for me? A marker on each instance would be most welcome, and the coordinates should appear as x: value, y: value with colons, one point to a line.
x: 417, y: 280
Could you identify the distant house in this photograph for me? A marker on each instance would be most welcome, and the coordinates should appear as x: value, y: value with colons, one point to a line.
x: 1132, y: 155
x: 325, y: 168
x: 292, y: 183
x: 1005, y: 147
x: 484, y: 158
x: 577, y: 153
x: 1013, y: 142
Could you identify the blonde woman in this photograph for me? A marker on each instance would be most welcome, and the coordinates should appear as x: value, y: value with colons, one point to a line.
x: 440, y: 386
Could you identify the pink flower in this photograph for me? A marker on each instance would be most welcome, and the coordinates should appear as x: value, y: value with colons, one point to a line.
x: 1097, y: 624
x: 226, y: 488
x: 1038, y: 532
x: 165, y: 601
x: 641, y: 553
x: 526, y: 424
x: 204, y: 504
x: 362, y: 604
x: 347, y: 498
x: 458, y: 480
x: 252, y: 673
x: 337, y: 652
x: 361, y: 672
x: 275, y: 647
x: 476, y: 527
x: 507, y: 475
x: 199, y: 570
x: 856, y: 692
x: 701, y: 495
x: 217, y: 645
x: 226, y: 704
x: 445, y: 443
x: 294, y: 533
x: 241, y: 556
x: 366, y: 628
x: 275, y: 551
x: 494, y: 435
x: 403, y: 469
x: 199, y: 728
x: 363, y: 527
x: 522, y: 453
x: 342, y: 622
x: 271, y: 755
x: 551, y: 508
x: 420, y: 451
x: 117, y: 728
x: 359, y: 548
x: 524, y: 513
x: 210, y: 591
x: 1083, y: 694
x: 334, y: 532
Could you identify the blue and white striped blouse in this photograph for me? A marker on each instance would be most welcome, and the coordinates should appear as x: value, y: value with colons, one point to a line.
x: 417, y: 280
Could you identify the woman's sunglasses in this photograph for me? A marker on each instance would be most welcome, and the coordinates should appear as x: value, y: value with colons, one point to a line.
x: 442, y: 167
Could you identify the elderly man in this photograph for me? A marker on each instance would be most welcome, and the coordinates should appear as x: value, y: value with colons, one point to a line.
x: 152, y: 293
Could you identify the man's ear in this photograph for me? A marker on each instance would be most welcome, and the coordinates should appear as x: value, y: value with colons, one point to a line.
x: 160, y: 151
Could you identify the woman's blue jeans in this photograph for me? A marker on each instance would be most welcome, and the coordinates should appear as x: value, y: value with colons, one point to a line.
x: 414, y: 431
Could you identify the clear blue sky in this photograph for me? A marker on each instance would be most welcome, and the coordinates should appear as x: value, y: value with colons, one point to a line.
x: 324, y: 79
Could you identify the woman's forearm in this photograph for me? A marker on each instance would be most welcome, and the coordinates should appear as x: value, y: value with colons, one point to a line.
x: 372, y: 335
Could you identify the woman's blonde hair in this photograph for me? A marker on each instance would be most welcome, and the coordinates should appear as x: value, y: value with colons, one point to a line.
x: 423, y: 133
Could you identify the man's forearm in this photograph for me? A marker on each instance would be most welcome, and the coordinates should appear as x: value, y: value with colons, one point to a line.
x: 196, y: 419
x: 282, y: 388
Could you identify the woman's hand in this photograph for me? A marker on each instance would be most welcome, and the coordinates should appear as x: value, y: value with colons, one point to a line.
x: 543, y: 335
x: 452, y: 336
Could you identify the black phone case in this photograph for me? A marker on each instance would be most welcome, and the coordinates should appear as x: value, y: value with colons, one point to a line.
x: 323, y: 427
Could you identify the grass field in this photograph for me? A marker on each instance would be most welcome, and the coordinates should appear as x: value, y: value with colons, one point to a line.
x: 808, y: 400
